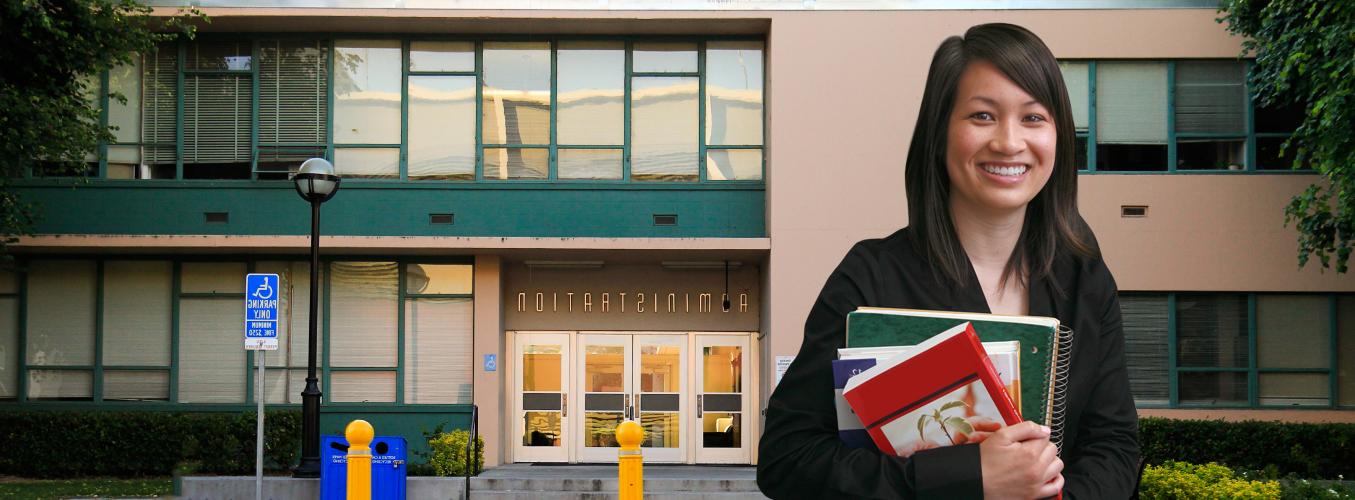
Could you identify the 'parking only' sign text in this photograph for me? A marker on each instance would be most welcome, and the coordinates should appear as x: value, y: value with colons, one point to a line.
x: 261, y: 312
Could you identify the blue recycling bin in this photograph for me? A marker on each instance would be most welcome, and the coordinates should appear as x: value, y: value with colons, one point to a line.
x: 388, y: 468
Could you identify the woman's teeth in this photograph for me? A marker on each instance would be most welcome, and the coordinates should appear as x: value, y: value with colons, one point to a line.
x: 1005, y: 171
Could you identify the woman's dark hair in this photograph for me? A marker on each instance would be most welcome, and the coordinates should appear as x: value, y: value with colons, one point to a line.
x: 1052, y: 227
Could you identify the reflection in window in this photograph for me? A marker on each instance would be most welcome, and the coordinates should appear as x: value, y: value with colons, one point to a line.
x: 664, y: 129
x: 734, y: 93
x: 367, y: 92
x: 369, y: 163
x: 517, y: 163
x: 442, y: 127
x: 664, y: 57
x: 441, y: 56
x: 734, y: 164
x: 591, y: 80
x: 589, y: 163
x: 516, y: 93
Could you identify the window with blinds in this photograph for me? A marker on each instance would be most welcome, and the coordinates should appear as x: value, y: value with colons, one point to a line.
x: 1212, y: 348
x: 293, y: 104
x: 1131, y: 116
x: 9, y: 335
x: 1145, y: 337
x: 217, y: 110
x: 439, y: 334
x: 159, y: 112
x: 137, y: 328
x: 1211, y: 116
x: 60, y: 338
x: 362, y: 335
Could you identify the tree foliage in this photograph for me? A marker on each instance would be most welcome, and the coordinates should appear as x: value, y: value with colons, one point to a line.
x: 1305, y: 56
x: 52, y: 52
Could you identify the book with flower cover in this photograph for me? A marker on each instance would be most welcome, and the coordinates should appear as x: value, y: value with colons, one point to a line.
x: 937, y: 394
x: 1006, y: 358
x: 1045, y: 346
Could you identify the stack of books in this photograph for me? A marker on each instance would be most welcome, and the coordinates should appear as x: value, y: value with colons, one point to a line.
x: 911, y: 380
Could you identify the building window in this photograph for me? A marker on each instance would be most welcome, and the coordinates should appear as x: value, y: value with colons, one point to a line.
x: 104, y: 331
x: 137, y: 330
x: 1131, y: 116
x: 363, y: 313
x: 293, y: 104
x: 439, y: 334
x: 1145, y: 333
x: 9, y: 336
x: 60, y: 322
x: 1174, y: 116
x: 212, y: 365
x: 441, y: 110
x: 1238, y: 349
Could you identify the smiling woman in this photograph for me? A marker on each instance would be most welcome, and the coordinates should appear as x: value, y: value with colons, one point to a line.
x: 994, y: 228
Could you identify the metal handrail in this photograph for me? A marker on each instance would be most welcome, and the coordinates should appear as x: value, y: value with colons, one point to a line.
x: 471, y: 451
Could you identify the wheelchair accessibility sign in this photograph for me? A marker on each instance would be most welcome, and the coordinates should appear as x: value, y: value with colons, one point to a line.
x: 261, y: 312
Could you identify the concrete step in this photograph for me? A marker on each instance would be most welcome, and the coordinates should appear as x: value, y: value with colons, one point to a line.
x: 579, y: 495
x: 584, y: 485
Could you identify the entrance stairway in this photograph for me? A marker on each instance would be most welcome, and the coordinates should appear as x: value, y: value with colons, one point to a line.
x: 598, y: 482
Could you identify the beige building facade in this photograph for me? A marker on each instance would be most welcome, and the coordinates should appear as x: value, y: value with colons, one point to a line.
x: 567, y: 335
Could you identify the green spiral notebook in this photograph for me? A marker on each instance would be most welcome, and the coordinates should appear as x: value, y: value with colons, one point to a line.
x: 1044, y: 351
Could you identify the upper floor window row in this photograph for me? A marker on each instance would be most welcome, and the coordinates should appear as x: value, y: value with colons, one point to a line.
x: 421, y: 110
x: 1174, y: 116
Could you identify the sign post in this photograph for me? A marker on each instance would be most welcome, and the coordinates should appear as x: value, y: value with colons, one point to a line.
x: 261, y: 334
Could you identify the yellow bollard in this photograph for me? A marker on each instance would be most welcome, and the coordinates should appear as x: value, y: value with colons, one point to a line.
x: 630, y: 470
x: 359, y: 434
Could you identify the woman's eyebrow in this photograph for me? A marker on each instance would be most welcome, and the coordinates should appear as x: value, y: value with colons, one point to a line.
x: 993, y: 102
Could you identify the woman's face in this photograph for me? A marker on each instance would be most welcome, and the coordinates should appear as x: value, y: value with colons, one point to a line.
x: 1000, y: 143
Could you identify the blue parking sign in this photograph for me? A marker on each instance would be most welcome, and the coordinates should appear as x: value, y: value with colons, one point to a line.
x: 261, y: 312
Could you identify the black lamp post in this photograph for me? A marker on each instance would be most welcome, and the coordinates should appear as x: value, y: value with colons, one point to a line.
x: 316, y: 183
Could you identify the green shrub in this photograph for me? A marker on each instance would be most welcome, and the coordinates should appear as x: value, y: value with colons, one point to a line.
x: 448, y: 453
x: 1313, y: 451
x: 63, y: 444
x: 1173, y: 480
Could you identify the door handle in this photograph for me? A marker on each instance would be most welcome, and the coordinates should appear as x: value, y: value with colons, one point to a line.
x: 698, y: 405
x: 625, y: 405
x: 564, y: 405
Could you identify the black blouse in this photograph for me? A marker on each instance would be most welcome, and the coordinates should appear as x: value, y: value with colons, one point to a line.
x: 800, y: 455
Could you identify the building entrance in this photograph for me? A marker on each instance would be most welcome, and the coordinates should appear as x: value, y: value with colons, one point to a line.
x: 688, y: 390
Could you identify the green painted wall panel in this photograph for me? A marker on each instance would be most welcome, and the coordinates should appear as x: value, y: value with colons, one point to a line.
x: 501, y: 211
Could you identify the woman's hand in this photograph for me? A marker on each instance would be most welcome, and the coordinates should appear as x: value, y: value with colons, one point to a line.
x: 983, y: 428
x: 1019, y: 462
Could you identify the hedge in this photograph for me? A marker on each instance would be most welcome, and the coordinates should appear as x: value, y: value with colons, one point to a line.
x: 59, y: 444
x: 1314, y: 451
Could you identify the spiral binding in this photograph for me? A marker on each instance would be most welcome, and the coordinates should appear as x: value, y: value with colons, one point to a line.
x: 1059, y: 393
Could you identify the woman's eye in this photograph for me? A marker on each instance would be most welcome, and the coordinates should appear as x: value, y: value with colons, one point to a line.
x: 1035, y: 118
x: 982, y: 115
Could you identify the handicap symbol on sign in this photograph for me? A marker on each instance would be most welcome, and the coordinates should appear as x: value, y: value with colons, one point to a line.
x: 264, y: 292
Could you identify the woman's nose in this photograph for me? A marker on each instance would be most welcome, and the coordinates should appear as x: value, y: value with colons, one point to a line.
x: 1007, y: 140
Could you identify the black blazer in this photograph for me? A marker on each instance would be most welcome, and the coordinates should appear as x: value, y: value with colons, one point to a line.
x: 800, y: 455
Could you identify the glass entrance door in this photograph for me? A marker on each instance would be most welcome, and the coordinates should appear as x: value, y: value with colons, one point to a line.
x: 722, y: 406
x: 660, y: 402
x: 541, y: 413
x: 631, y: 376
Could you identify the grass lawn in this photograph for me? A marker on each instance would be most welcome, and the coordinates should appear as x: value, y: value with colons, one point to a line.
x: 43, y: 489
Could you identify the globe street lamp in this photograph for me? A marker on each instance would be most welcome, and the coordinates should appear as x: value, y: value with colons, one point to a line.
x: 316, y: 183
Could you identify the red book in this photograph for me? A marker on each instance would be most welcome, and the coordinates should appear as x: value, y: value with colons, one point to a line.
x: 937, y: 394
